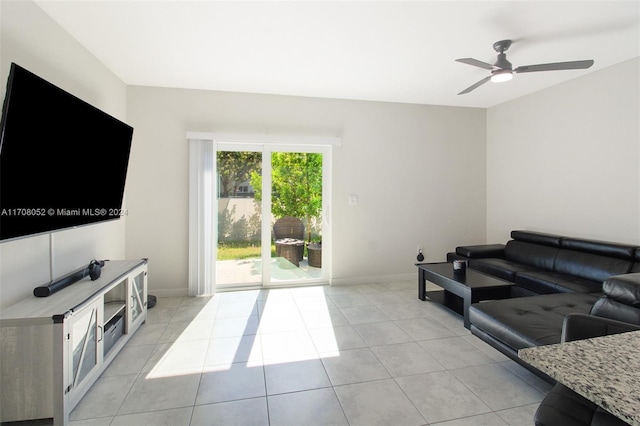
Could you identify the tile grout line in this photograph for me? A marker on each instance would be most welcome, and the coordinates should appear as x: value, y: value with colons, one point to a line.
x: 400, y: 292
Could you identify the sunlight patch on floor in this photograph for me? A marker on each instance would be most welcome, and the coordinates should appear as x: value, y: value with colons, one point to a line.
x: 249, y: 271
x: 253, y: 327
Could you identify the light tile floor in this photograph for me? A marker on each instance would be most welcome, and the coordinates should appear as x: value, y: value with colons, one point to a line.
x: 349, y: 355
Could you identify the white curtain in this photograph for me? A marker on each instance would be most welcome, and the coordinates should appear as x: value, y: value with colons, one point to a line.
x: 202, y: 217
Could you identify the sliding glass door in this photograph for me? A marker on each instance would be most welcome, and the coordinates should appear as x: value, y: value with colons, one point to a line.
x: 272, y: 215
x: 239, y: 236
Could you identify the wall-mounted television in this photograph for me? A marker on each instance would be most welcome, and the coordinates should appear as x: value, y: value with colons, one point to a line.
x: 63, y: 162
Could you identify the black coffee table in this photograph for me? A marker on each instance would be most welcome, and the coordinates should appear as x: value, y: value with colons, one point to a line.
x: 460, y: 289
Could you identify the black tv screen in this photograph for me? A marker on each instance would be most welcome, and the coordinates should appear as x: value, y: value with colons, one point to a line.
x: 63, y: 162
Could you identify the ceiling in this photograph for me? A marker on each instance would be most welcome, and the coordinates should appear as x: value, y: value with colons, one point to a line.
x: 391, y: 51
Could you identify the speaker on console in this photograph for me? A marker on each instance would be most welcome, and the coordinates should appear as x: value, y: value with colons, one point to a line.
x: 93, y: 270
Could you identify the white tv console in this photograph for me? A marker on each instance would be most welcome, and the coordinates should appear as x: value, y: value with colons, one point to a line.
x: 52, y: 349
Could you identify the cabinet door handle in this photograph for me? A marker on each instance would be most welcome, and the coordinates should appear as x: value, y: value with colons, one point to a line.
x: 101, y: 334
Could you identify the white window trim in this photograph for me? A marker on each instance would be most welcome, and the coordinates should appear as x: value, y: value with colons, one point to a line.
x: 266, y: 138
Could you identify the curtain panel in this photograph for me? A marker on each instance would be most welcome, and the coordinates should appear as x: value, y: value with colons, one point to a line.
x: 202, y: 218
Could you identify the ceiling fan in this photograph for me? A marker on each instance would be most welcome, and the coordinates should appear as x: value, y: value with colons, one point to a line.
x: 502, y: 70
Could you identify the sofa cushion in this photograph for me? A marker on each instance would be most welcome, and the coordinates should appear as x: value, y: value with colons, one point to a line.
x: 545, y: 282
x: 484, y: 250
x: 623, y: 288
x: 607, y: 308
x: 590, y: 266
x: 499, y: 268
x: 529, y: 321
x: 537, y: 238
x: 603, y: 248
x: 636, y: 261
x: 530, y: 254
x: 622, y: 299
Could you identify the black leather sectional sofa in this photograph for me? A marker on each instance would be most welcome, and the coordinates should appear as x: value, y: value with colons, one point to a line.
x: 554, y: 276
x: 543, y: 263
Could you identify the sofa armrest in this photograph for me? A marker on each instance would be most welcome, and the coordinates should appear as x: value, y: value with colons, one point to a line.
x: 623, y: 288
x: 621, y: 300
x: 582, y: 326
x: 481, y: 251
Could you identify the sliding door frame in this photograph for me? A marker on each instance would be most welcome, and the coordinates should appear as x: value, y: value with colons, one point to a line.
x: 267, y: 149
x: 267, y: 144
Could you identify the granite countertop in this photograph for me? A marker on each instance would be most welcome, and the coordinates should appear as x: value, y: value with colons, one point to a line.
x: 605, y: 370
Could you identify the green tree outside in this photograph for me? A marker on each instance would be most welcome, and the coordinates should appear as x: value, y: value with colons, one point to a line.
x: 236, y: 167
x: 296, y: 186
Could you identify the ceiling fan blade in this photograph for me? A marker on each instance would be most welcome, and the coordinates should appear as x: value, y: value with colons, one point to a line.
x: 476, y: 63
x: 475, y: 86
x: 573, y: 65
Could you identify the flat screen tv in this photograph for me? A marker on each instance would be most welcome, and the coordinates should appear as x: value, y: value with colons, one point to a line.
x: 63, y: 162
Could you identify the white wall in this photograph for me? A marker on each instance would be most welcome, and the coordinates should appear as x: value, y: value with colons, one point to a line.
x: 563, y: 160
x: 419, y: 173
x: 567, y: 159
x: 31, y: 39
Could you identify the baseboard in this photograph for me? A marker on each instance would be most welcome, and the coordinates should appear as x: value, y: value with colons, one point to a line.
x: 171, y: 292
x: 181, y: 292
x: 374, y: 279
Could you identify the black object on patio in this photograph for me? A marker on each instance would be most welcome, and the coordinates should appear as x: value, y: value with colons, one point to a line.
x: 288, y: 231
x: 315, y: 254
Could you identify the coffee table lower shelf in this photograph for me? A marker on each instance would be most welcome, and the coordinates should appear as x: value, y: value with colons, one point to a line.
x: 460, y: 290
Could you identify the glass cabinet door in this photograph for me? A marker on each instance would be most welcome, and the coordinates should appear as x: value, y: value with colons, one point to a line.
x: 84, y: 343
x: 138, y: 297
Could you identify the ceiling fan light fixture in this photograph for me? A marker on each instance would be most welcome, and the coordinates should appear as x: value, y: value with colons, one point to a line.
x: 501, y: 76
x: 503, y: 70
